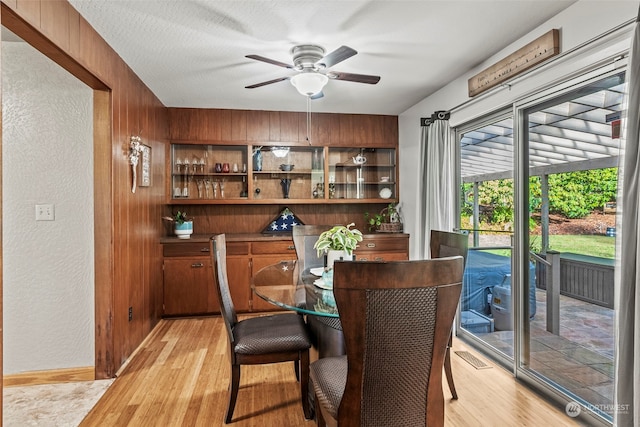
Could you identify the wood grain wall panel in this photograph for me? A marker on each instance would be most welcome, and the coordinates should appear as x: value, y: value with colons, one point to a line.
x: 275, y: 126
x: 55, y: 22
x: 74, y: 32
x: 238, y: 125
x: 257, y: 125
x: 206, y: 126
x: 30, y: 11
x: 323, y: 128
x: 290, y: 127
x: 346, y: 130
x: 13, y: 4
x: 226, y: 125
x: 213, y: 219
x: 345, y: 137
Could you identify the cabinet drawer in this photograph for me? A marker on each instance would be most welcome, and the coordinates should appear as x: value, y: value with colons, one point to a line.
x: 381, y: 256
x: 279, y: 247
x: 186, y: 249
x: 237, y: 248
x: 383, y: 245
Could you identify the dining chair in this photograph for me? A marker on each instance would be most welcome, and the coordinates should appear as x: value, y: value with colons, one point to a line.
x: 396, y: 318
x: 326, y: 332
x: 445, y: 244
x: 259, y: 340
x: 304, y: 237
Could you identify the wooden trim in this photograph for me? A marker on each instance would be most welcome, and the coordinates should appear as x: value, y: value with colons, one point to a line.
x: 103, y: 242
x: 35, y: 38
x: 52, y: 376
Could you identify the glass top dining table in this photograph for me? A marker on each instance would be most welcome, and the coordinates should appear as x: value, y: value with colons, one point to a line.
x: 306, y: 294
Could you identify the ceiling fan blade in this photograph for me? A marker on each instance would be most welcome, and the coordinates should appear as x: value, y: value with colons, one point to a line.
x: 269, y: 61
x: 317, y: 95
x: 266, y: 83
x: 350, y: 77
x: 338, y: 55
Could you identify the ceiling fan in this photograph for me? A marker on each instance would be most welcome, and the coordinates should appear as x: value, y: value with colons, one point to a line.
x: 311, y: 63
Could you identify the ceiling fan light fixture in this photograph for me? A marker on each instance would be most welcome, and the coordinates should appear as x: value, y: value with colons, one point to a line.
x: 309, y: 84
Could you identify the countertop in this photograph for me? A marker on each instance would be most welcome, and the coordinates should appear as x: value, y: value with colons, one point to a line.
x: 232, y: 237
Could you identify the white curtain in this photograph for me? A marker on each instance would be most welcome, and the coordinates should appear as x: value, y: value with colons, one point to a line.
x: 627, y: 303
x: 438, y: 174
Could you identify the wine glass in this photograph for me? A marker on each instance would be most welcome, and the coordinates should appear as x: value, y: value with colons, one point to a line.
x: 178, y: 163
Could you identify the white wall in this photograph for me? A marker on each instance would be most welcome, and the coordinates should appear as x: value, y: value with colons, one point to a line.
x: 578, y: 24
x: 47, y: 149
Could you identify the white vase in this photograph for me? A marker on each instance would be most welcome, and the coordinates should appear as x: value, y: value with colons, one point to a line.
x: 334, y: 255
x: 184, y: 230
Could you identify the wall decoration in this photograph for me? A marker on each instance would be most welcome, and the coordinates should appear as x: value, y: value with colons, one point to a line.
x: 534, y: 53
x: 145, y: 173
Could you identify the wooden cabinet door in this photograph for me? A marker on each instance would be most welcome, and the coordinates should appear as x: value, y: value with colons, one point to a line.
x: 239, y: 275
x: 188, y: 287
x: 258, y: 262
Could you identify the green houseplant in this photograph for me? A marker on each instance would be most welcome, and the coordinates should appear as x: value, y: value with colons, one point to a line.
x: 182, y: 226
x: 388, y: 215
x: 338, y: 238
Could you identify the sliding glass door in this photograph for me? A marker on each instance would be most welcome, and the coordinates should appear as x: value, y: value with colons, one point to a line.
x: 538, y: 199
x: 571, y: 146
x: 486, y: 166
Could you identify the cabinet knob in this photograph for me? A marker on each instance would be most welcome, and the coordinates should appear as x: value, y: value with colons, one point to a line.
x: 204, y: 250
x: 197, y: 265
x: 291, y: 247
x: 371, y: 245
x: 378, y: 258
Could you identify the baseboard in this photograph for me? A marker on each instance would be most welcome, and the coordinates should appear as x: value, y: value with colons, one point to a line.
x: 50, y: 377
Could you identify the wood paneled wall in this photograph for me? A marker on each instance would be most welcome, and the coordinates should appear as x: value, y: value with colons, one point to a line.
x: 233, y: 127
x: 243, y: 126
x: 128, y: 257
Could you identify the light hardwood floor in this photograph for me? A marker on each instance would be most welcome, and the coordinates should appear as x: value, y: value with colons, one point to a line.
x: 179, y: 377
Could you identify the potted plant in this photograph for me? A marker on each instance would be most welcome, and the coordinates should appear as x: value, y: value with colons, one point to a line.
x: 338, y: 242
x: 388, y: 220
x: 182, y: 226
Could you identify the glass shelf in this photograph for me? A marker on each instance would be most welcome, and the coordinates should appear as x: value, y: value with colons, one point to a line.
x: 221, y: 174
x: 363, y: 173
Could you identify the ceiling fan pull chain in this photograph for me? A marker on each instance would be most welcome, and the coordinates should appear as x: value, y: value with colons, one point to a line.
x: 309, y: 120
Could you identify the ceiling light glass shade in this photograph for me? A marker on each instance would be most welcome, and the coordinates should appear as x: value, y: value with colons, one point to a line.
x: 309, y: 84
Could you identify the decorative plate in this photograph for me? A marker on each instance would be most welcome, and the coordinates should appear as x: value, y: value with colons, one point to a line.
x: 385, y: 193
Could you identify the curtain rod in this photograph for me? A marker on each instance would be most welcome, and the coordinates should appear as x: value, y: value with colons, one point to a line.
x: 437, y: 115
x: 547, y: 63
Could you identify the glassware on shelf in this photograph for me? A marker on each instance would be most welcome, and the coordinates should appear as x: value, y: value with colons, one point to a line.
x: 199, y: 184
x: 222, y: 189
x: 286, y: 186
x: 178, y: 164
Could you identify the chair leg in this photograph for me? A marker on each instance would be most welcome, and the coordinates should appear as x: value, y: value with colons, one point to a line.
x: 447, y: 368
x: 304, y: 384
x: 234, y: 384
x: 296, y: 367
x: 320, y: 422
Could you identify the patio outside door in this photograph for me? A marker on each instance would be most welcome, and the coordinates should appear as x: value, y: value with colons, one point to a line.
x: 486, y: 166
x: 571, y: 147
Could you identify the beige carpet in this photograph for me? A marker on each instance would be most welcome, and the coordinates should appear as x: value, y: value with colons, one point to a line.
x: 54, y: 405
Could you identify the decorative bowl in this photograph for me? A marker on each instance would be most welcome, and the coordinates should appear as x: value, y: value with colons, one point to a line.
x: 286, y: 168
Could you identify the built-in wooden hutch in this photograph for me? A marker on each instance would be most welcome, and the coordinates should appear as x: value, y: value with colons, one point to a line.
x: 233, y: 171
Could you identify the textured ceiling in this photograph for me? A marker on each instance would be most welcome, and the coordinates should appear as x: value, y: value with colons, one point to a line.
x: 191, y: 53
